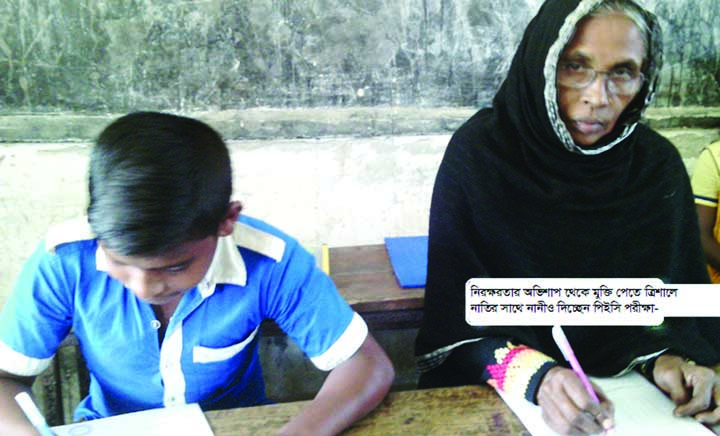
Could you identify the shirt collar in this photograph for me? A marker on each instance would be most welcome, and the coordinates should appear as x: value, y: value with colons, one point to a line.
x: 227, y: 266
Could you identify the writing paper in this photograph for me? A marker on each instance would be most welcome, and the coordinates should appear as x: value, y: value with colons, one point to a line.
x: 179, y: 420
x: 640, y: 408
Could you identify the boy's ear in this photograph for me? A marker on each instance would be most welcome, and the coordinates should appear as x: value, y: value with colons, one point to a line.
x: 228, y: 223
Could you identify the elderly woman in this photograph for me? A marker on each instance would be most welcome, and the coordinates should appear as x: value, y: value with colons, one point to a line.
x: 558, y: 179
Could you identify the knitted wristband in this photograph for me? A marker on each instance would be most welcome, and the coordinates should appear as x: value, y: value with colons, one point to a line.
x: 518, y: 369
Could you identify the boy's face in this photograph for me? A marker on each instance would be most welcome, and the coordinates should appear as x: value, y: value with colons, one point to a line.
x: 163, y: 279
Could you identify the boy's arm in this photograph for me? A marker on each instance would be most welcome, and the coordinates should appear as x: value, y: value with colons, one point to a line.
x: 706, y: 219
x: 705, y: 183
x: 12, y: 419
x: 351, y: 390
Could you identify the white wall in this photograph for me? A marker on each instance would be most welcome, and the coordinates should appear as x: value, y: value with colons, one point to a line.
x: 339, y: 191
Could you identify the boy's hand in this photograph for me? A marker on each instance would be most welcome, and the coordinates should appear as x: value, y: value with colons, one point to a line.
x: 567, y: 406
x: 694, y: 389
x: 350, y: 391
x: 12, y: 419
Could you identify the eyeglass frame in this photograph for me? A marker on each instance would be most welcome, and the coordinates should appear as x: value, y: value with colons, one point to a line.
x: 610, y: 85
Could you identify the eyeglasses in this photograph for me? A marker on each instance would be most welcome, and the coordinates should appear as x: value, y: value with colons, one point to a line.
x: 620, y: 81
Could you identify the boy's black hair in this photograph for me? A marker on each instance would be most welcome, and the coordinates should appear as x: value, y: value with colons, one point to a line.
x: 156, y: 181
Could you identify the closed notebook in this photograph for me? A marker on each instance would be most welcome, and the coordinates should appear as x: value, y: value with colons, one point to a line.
x: 640, y: 409
x: 408, y: 257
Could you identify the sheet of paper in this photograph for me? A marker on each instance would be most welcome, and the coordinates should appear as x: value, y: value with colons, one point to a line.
x: 640, y: 408
x: 180, y: 420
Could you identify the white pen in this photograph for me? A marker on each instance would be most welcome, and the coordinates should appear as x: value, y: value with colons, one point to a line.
x: 33, y: 414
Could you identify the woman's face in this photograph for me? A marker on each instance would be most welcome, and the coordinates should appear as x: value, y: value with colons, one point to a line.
x: 611, y: 43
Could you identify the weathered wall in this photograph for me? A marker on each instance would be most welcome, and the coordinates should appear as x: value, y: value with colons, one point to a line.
x: 340, y: 191
x: 115, y: 56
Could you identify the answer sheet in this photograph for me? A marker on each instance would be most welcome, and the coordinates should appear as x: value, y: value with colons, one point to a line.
x: 179, y: 420
x: 640, y: 408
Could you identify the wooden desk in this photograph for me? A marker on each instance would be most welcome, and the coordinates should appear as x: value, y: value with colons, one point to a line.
x: 467, y: 410
x: 365, y: 278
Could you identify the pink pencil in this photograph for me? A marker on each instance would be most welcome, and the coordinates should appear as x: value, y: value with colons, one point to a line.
x: 567, y: 351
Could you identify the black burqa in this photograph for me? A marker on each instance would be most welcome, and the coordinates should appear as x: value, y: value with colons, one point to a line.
x: 515, y: 197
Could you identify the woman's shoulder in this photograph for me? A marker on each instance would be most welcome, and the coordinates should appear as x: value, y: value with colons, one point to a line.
x: 475, y: 127
x: 651, y: 137
x: 654, y: 146
x: 465, y: 155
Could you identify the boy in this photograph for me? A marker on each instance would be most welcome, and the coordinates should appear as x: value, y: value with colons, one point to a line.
x: 165, y: 287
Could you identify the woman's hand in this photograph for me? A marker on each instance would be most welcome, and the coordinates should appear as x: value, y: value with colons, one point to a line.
x: 694, y: 389
x: 568, y: 408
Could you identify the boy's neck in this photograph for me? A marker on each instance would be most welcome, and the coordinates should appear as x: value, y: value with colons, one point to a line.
x: 163, y: 313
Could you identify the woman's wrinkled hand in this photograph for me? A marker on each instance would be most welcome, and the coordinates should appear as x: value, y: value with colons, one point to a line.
x: 694, y: 389
x: 568, y: 408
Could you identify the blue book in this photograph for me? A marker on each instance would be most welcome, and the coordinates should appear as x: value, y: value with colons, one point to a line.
x: 408, y: 257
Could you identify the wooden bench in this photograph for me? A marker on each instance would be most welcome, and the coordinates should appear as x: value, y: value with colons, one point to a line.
x: 61, y: 387
x: 365, y: 277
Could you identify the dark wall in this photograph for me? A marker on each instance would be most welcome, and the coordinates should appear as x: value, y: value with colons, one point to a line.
x: 119, y: 55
